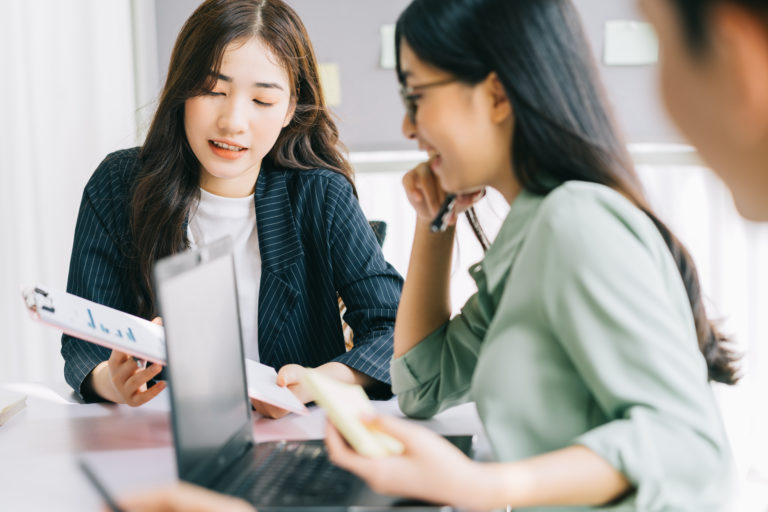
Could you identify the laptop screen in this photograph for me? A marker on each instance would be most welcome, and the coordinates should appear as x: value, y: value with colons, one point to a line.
x: 197, y: 297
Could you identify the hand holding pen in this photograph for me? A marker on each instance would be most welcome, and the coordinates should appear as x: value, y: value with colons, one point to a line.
x: 431, y: 202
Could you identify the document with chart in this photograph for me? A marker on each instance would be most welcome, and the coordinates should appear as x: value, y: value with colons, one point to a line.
x: 137, y: 337
x: 96, y: 323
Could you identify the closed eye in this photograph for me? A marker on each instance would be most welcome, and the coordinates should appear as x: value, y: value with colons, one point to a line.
x: 263, y: 103
x: 413, y: 97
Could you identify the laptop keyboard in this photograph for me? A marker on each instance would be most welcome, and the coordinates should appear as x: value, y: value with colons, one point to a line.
x: 298, y: 473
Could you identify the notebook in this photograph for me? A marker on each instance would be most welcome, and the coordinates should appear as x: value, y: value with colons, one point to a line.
x: 344, y: 404
x: 210, y: 411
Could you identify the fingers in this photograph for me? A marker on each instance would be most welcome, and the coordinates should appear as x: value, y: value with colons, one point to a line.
x: 405, y: 432
x: 433, y: 194
x: 143, y: 376
x: 415, y: 196
x: 468, y: 199
x: 423, y: 190
x: 142, y: 397
x: 289, y: 375
x: 427, y: 195
x: 268, y: 410
x: 130, y: 381
x: 136, y: 390
x: 117, y: 357
x: 342, y: 454
x: 121, y: 367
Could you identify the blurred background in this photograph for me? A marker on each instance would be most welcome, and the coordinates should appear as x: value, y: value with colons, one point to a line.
x: 82, y: 77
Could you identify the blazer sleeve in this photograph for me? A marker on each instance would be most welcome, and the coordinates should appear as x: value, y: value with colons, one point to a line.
x: 96, y: 272
x: 369, y: 286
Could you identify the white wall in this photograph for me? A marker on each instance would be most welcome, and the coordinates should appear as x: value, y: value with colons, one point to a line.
x: 66, y: 99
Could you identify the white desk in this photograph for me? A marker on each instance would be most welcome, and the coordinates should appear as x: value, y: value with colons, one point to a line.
x: 129, y: 448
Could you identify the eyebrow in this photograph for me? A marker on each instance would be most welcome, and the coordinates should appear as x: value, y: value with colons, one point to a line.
x: 263, y: 85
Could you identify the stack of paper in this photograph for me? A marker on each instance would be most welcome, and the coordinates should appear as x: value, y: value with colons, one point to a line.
x: 344, y: 404
x: 10, y: 404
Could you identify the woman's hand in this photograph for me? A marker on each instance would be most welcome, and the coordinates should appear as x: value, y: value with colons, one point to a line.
x: 430, y: 468
x: 129, y: 379
x: 289, y: 376
x: 426, y: 196
x: 122, y: 380
x: 183, y: 497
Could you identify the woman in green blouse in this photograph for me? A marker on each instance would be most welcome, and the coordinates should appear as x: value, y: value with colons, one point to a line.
x: 586, y: 348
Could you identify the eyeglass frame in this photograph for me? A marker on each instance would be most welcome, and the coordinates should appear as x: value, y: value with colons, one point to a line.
x: 408, y: 95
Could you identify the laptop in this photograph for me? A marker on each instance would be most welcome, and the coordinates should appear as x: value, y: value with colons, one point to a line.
x: 210, y: 410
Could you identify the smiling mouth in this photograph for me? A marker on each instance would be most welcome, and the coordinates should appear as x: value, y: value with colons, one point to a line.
x: 228, y: 147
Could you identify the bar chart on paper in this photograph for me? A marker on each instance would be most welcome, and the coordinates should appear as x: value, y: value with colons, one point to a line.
x: 96, y: 323
x: 136, y: 336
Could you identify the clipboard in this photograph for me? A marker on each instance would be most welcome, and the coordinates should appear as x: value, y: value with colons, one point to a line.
x: 140, y: 338
x: 99, y: 324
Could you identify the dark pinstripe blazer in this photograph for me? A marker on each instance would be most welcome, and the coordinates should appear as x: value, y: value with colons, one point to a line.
x: 314, y: 241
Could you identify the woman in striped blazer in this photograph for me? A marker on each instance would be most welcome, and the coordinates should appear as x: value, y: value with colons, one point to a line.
x: 241, y: 145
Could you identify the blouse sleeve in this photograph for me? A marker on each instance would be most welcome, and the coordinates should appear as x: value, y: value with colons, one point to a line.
x: 617, y: 305
x: 436, y: 374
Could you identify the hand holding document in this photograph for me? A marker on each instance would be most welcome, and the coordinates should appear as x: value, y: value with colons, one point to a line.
x: 345, y: 404
x: 96, y: 323
x: 137, y: 337
x: 262, y: 385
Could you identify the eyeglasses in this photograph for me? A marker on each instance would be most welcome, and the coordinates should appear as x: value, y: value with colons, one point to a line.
x: 409, y: 95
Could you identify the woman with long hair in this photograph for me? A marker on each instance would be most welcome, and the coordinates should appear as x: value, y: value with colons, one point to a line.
x: 587, y: 348
x: 243, y: 145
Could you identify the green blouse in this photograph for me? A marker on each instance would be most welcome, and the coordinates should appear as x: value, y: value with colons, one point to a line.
x: 581, y: 333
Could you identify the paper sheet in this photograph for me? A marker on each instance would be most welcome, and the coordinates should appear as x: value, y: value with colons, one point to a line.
x: 262, y: 385
x: 10, y: 404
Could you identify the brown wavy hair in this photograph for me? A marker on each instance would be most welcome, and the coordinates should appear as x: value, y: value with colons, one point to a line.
x: 168, y: 184
x: 564, y: 129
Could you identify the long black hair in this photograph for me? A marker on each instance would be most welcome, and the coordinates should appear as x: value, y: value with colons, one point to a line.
x: 168, y: 184
x: 564, y: 129
x: 694, y: 15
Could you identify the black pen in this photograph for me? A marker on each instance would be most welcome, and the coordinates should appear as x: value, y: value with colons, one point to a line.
x: 111, y: 503
x: 440, y: 223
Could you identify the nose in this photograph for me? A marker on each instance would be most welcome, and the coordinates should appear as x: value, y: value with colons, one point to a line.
x: 232, y: 117
x: 409, y: 128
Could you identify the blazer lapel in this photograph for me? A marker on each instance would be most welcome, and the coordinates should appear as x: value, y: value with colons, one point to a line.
x: 281, y: 258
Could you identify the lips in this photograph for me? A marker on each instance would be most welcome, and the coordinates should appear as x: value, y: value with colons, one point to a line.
x: 228, y: 150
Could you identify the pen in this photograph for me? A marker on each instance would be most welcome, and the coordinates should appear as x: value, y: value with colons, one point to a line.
x: 113, y: 506
x: 440, y: 223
